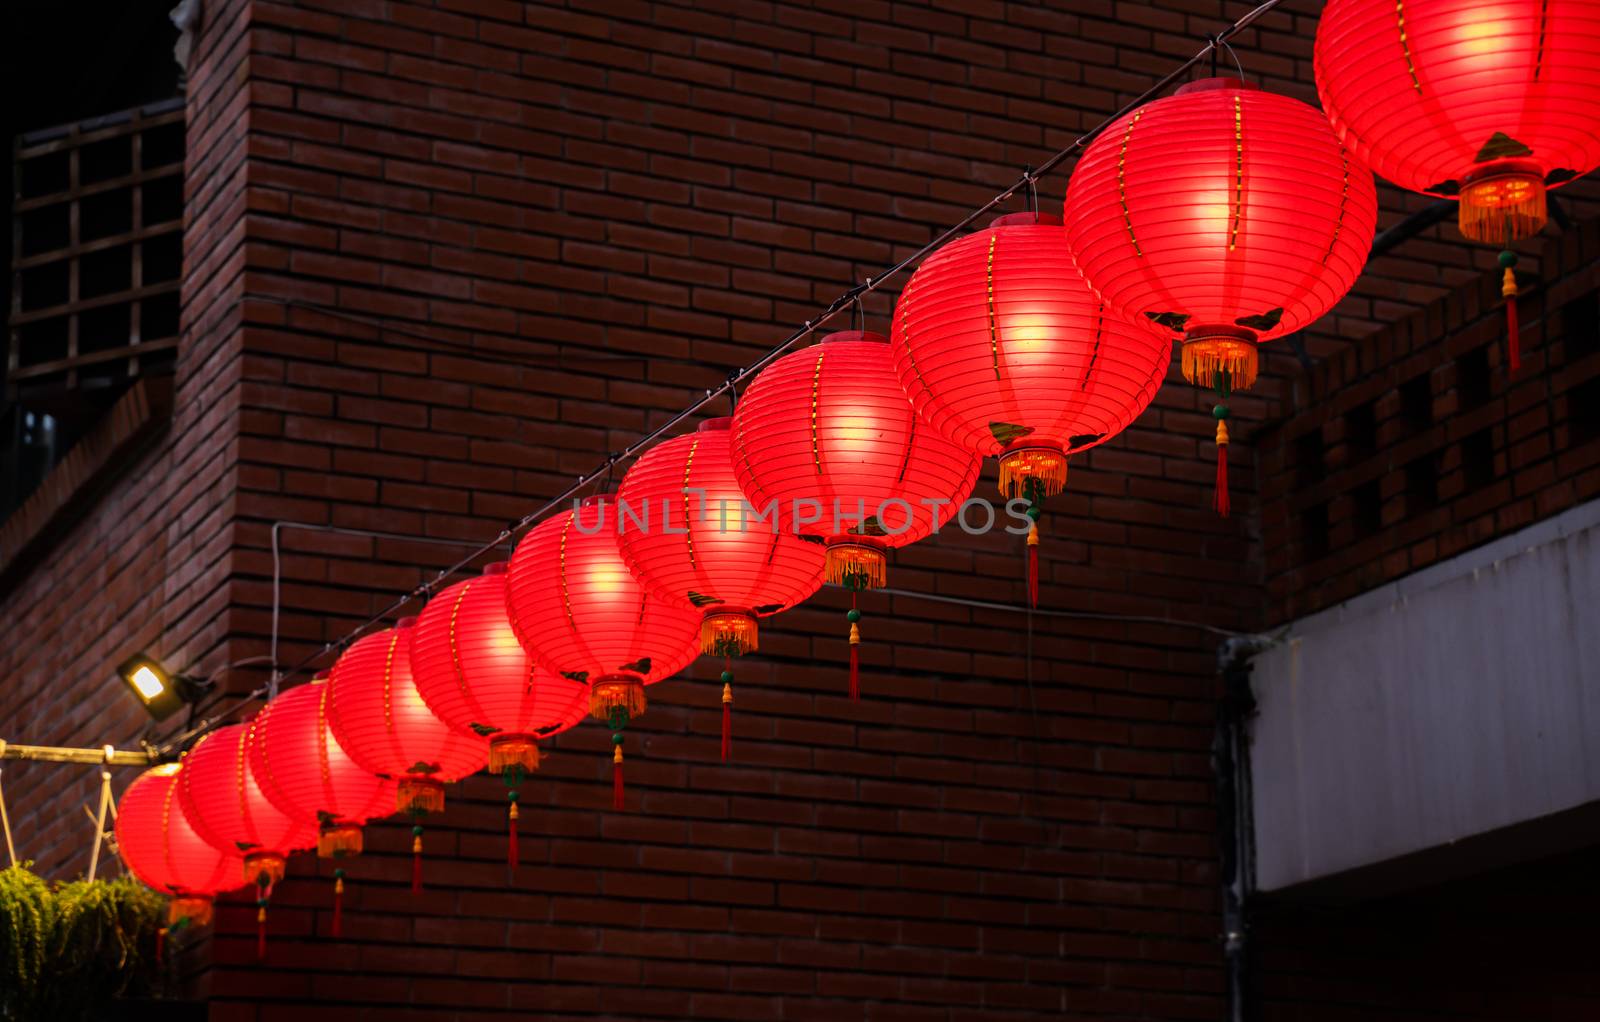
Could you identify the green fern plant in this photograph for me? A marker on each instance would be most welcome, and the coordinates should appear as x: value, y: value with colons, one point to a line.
x: 68, y: 950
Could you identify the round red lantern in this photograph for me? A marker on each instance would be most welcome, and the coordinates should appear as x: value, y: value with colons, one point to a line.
x: 830, y: 428
x: 1491, y: 102
x: 1226, y: 214
x: 160, y: 847
x: 477, y: 678
x: 579, y: 611
x: 1004, y: 349
x: 227, y: 808
x: 380, y: 719
x: 302, y: 770
x: 703, y: 548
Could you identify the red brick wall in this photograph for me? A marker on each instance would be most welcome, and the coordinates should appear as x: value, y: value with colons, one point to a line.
x: 1418, y: 442
x: 580, y: 219
x: 148, y: 567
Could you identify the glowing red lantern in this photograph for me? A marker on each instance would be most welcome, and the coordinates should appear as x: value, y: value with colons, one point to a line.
x: 302, y: 770
x: 477, y: 678
x: 579, y: 611
x: 701, y: 549
x: 1491, y: 102
x: 160, y: 847
x: 380, y: 719
x: 1226, y: 214
x: 830, y: 427
x: 1004, y: 349
x: 227, y: 808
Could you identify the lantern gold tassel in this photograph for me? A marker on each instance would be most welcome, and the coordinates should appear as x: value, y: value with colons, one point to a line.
x: 728, y: 634
x: 1040, y: 470
x: 1504, y: 204
x: 615, y: 691
x: 1209, y: 354
x: 339, y: 841
x: 417, y: 795
x: 1508, y: 291
x: 507, y: 752
x: 856, y: 566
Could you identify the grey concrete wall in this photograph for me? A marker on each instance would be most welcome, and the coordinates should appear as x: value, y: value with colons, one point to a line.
x: 1456, y: 701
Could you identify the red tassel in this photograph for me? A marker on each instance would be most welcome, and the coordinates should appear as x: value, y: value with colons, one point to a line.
x: 261, y: 932
x: 416, y: 860
x: 338, y: 904
x: 1513, y: 334
x: 1033, y: 565
x: 512, y: 855
x: 161, y: 945
x: 855, y: 672
x: 1221, y: 501
x: 727, y: 723
x: 616, y: 779
x: 1508, y: 291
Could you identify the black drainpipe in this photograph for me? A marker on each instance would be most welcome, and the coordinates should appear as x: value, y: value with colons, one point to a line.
x: 1230, y: 760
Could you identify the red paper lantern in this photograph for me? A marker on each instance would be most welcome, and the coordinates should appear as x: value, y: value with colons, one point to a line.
x: 227, y: 808
x: 579, y: 611
x: 1005, y: 350
x: 380, y: 719
x: 1226, y: 214
x: 1491, y: 102
x: 701, y: 550
x: 160, y: 847
x: 477, y: 678
x: 303, y: 770
x: 831, y: 425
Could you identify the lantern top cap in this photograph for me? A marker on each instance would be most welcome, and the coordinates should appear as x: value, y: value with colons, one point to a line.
x: 721, y: 424
x: 1215, y: 84
x: 862, y: 336
x: 497, y: 568
x: 166, y: 769
x: 1025, y: 220
x: 405, y: 622
x: 319, y: 677
x: 595, y: 500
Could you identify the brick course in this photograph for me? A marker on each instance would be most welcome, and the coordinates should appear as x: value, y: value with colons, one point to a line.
x: 442, y: 258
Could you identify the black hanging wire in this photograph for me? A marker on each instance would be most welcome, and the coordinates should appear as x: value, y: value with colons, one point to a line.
x: 853, y: 294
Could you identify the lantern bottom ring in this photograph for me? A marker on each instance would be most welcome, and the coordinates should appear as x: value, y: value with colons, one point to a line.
x: 1209, y: 350
x: 1041, y: 467
x: 339, y: 841
x: 418, y: 794
x: 857, y: 563
x: 270, y: 865
x: 513, y: 752
x: 611, y: 692
x: 729, y: 633
x: 1503, y: 201
x: 196, y: 908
